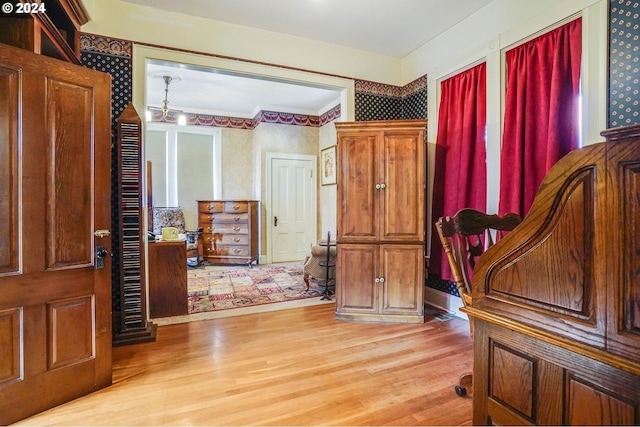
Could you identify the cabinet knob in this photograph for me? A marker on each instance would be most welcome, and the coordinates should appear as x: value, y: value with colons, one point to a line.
x: 210, y: 217
x: 236, y: 228
x: 377, y: 280
x: 210, y: 207
x: 236, y: 251
x: 383, y: 186
x: 211, y: 229
x: 235, y: 239
x: 377, y: 186
x: 237, y: 218
x: 236, y: 207
x: 382, y: 280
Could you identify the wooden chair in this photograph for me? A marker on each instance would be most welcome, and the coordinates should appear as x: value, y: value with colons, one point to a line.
x: 465, y: 237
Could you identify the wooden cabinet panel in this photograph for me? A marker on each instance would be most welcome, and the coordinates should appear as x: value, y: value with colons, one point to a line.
x: 357, y: 180
x: 230, y: 230
x: 381, y: 230
x: 403, y: 197
x: 402, y: 268
x: 357, y: 270
x: 589, y: 405
x: 168, y: 294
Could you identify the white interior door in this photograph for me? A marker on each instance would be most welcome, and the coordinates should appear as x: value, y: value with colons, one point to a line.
x: 292, y: 219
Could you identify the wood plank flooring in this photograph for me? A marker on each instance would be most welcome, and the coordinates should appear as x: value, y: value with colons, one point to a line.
x: 292, y: 367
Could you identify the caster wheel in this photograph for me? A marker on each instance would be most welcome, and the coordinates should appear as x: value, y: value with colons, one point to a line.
x: 461, y: 391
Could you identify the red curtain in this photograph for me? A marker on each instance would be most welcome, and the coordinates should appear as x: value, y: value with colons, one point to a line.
x: 541, y: 121
x: 460, y: 162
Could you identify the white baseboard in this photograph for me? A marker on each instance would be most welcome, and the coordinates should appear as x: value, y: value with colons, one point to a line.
x: 444, y: 301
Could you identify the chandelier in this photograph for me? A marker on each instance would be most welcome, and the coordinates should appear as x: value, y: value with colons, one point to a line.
x: 182, y: 120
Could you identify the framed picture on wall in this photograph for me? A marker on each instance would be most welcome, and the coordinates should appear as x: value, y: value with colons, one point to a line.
x: 328, y: 165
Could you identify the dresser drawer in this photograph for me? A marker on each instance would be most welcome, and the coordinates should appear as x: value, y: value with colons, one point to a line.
x: 226, y: 228
x: 210, y: 207
x: 236, y: 207
x: 235, y: 239
x: 207, y: 218
x: 222, y: 250
x: 225, y: 239
x: 231, y: 217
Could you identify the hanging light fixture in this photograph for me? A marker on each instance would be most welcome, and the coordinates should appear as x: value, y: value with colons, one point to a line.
x: 182, y: 120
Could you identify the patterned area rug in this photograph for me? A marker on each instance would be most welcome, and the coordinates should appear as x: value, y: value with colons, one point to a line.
x: 215, y: 288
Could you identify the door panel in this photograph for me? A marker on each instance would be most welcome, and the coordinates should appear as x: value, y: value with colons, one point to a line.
x: 402, y: 269
x: 357, y: 175
x: 358, y: 290
x: 9, y: 91
x: 69, y: 175
x: 55, y: 306
x: 293, y: 201
x: 402, y: 200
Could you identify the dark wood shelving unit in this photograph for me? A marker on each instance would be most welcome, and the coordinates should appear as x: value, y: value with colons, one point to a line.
x: 53, y: 31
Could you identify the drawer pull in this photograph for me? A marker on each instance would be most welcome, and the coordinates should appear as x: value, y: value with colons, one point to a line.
x: 210, y: 217
x: 211, y: 229
x: 236, y: 207
x: 237, y: 218
x: 235, y: 239
x: 235, y: 251
x: 236, y: 228
x: 210, y: 207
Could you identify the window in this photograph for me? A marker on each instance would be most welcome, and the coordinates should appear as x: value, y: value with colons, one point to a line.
x: 185, y: 167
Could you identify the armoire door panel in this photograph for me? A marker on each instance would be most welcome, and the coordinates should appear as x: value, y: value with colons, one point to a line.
x: 357, y: 175
x: 9, y: 91
x: 403, y: 272
x: 402, y: 198
x: 356, y: 266
x: 69, y: 176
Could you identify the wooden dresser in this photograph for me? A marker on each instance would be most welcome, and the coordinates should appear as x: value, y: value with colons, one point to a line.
x: 556, y: 303
x: 381, y: 221
x: 230, y: 230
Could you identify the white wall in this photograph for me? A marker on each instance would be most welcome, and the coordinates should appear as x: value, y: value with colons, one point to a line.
x: 136, y: 23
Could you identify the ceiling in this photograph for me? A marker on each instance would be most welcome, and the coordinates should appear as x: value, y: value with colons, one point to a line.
x: 392, y: 28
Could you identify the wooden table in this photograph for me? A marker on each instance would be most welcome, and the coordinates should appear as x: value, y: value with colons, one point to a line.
x: 168, y: 295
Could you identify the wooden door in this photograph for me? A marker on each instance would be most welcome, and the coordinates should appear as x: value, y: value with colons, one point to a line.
x: 55, y: 306
x: 357, y: 269
x: 402, y: 268
x: 358, y: 166
x: 404, y: 182
x: 293, y: 208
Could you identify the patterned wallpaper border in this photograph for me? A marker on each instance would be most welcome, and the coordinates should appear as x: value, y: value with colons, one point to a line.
x: 105, y: 45
x: 197, y: 119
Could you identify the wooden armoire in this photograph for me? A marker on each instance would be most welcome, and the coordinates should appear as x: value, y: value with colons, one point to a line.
x: 381, y: 173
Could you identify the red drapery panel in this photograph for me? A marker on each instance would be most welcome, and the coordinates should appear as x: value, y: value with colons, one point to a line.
x: 541, y: 121
x: 460, y: 163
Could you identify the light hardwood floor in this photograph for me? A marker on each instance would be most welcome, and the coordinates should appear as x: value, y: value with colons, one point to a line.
x: 292, y: 367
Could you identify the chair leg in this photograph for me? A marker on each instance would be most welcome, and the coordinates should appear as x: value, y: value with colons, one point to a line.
x: 466, y: 381
x: 306, y: 280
